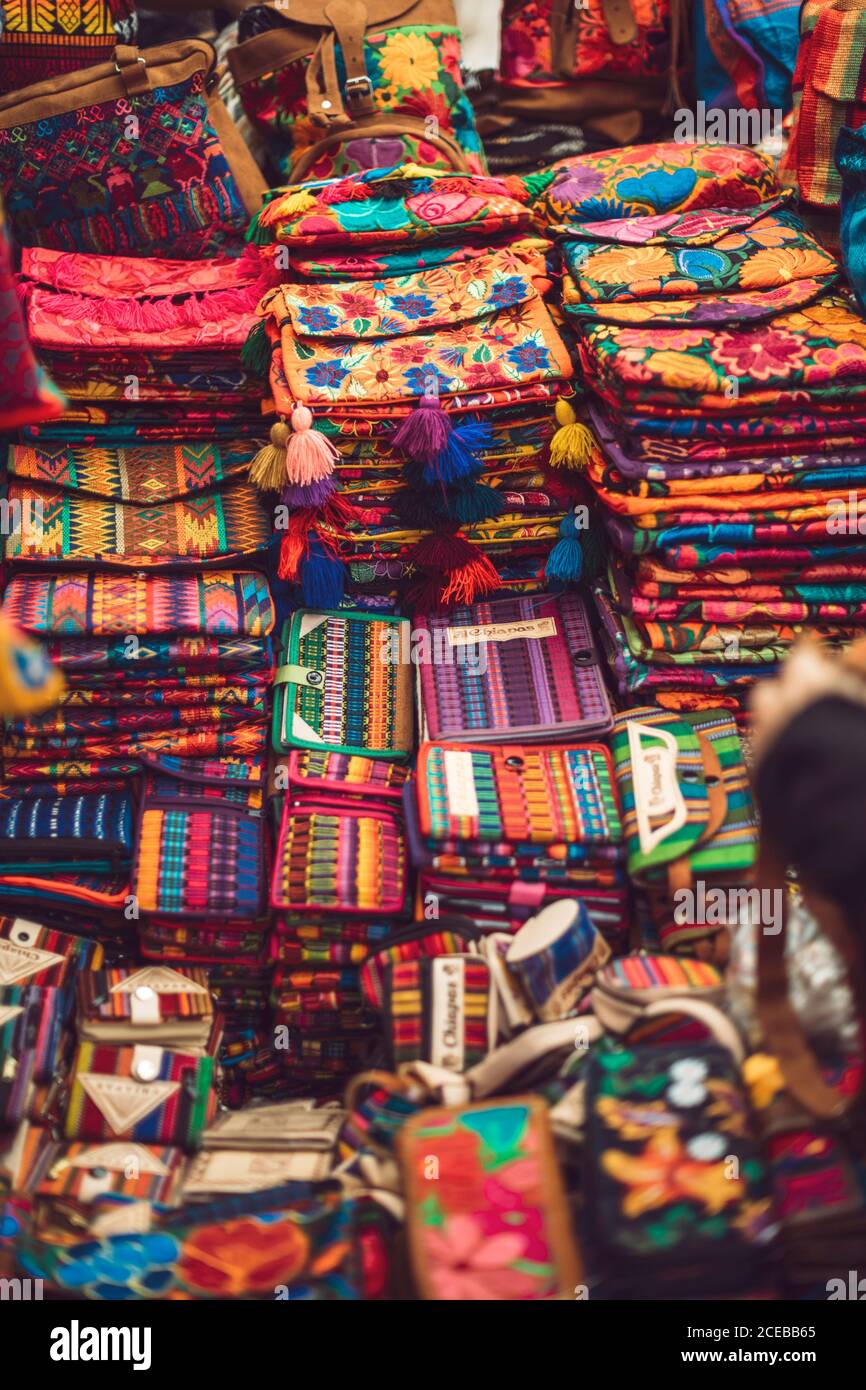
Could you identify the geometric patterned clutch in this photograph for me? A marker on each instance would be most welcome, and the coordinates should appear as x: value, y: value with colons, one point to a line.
x: 344, y: 685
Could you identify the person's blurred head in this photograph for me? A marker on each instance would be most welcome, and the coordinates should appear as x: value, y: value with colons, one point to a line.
x: 809, y: 743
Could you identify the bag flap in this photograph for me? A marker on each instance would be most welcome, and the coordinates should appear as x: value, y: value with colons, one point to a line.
x: 144, y: 997
x: 268, y: 52
x: 700, y: 227
x: 670, y: 782
x: 437, y: 298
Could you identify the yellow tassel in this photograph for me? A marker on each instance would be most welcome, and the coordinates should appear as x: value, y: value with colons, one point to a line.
x: 301, y: 201
x: 268, y: 468
x: 573, y: 444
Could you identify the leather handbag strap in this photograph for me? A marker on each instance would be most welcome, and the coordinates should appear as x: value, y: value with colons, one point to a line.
x: 680, y: 870
x: 350, y: 20
x: 782, y: 1030
x: 131, y: 68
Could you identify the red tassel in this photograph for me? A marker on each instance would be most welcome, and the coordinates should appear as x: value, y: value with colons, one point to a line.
x: 293, y: 546
x: 458, y: 572
x: 472, y: 580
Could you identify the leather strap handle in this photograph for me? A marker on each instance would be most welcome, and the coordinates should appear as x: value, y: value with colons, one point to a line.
x: 781, y: 1027
x: 350, y: 20
x: 131, y: 69
x: 564, y: 24
x: 680, y: 871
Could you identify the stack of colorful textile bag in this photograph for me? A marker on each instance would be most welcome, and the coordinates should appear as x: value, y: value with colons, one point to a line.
x: 414, y: 390
x: 343, y: 730
x: 168, y: 667
x: 199, y: 885
x: 146, y: 349
x: 725, y: 443
x: 514, y: 804
x: 148, y: 659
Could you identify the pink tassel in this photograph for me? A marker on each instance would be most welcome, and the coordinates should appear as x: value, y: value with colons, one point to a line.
x: 309, y: 455
x: 424, y: 434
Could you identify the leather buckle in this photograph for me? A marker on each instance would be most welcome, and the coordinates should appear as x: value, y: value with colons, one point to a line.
x: 358, y: 89
x: 119, y: 70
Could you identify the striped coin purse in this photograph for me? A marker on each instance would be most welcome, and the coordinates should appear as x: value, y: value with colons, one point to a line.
x: 349, y: 774
x: 440, y: 1009
x: 337, y: 858
x: 144, y: 1093
x: 35, y: 1040
x: 153, y: 1004
x: 36, y: 955
x: 511, y: 668
x: 73, y: 1184
x: 552, y: 807
x: 344, y: 684
x: 200, y: 845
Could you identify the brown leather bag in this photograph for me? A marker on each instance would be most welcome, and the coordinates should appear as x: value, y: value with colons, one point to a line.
x: 596, y: 62
x: 288, y: 79
x: 157, y: 168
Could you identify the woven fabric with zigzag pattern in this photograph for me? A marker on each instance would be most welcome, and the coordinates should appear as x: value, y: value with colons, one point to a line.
x: 51, y: 525
x: 221, y: 603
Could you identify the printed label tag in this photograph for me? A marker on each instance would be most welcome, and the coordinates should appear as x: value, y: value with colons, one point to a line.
x: 18, y: 963
x: 448, y: 1014
x: 460, y: 783
x: 501, y: 632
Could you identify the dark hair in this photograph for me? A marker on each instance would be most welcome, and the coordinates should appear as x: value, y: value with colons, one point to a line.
x: 811, y: 795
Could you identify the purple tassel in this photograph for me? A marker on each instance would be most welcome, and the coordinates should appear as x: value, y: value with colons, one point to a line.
x: 424, y: 434
x: 313, y: 494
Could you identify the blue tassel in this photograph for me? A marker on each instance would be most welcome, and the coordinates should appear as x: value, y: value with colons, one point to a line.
x: 565, y: 561
x: 458, y: 459
x: 476, y: 503
x: 323, y: 578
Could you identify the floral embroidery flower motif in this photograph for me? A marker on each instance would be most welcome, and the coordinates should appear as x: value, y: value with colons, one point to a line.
x: 664, y: 1173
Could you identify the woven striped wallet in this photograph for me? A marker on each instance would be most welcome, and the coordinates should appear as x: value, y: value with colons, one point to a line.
x: 201, y: 844
x: 511, y: 668
x: 440, y: 1009
x: 35, y: 1040
x: 153, y: 1004
x: 344, y: 684
x: 331, y: 857
x: 144, y: 1093
x: 73, y: 1184
x: 36, y: 955
x: 552, y: 809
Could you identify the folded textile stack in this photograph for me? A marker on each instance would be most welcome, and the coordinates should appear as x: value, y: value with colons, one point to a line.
x: 168, y: 668
x: 343, y: 714
x: 145, y: 349
x: 727, y: 441
x: 514, y: 803
x: 415, y: 389
x: 187, y: 632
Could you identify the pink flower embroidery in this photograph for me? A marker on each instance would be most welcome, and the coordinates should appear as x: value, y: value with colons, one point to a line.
x: 436, y: 207
x: 467, y: 1265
